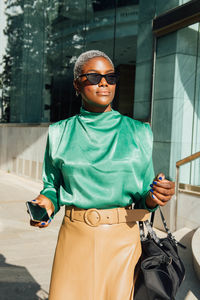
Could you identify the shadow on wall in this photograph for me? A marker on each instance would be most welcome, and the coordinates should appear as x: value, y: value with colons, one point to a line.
x: 17, y: 283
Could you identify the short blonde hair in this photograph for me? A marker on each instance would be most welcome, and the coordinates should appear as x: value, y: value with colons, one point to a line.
x: 84, y: 57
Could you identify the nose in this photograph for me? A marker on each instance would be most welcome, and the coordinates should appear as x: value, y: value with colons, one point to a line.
x: 103, y: 82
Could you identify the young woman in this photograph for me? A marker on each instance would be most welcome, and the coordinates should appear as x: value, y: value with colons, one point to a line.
x: 98, y: 163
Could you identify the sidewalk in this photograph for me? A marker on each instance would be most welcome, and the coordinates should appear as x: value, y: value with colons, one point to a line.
x: 26, y: 253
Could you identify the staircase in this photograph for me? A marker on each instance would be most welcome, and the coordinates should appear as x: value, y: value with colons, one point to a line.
x: 188, y: 214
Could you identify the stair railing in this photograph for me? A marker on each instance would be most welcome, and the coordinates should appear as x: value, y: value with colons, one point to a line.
x: 178, y: 165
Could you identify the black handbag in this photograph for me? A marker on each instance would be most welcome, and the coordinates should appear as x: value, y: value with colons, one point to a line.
x: 159, y: 271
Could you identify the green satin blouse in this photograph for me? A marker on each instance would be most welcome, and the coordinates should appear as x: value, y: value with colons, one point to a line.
x: 98, y: 160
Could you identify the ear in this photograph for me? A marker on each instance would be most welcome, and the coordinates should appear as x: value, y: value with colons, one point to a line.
x: 77, y: 86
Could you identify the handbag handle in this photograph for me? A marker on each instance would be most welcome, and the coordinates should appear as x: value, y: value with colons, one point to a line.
x: 162, y: 218
x: 149, y: 226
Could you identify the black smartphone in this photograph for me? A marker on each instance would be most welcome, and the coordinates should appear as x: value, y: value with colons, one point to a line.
x: 36, y: 212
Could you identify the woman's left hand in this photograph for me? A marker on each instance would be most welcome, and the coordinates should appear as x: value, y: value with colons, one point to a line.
x: 161, y: 191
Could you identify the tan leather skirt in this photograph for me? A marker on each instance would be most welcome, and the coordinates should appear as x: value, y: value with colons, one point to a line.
x: 95, y: 260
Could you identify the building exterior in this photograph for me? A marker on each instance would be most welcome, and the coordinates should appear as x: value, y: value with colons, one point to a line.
x: 153, y: 44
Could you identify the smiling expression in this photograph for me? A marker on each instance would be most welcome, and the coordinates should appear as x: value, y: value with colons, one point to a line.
x: 96, y: 97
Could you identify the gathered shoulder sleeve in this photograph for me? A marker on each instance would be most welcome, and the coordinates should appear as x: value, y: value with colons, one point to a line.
x: 145, y: 137
x: 51, y: 174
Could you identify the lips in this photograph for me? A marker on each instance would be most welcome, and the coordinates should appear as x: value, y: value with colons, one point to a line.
x: 104, y: 93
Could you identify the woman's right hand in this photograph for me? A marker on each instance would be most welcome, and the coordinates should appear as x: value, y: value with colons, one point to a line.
x: 46, y: 203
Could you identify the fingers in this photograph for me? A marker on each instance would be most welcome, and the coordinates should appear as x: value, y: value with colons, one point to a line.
x: 167, y: 191
x: 161, y: 196
x: 160, y: 176
x: 42, y: 224
x: 162, y: 190
x: 34, y: 201
x: 40, y: 202
x: 166, y: 184
x: 156, y: 200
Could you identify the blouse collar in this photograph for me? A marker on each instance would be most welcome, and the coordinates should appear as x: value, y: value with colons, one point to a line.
x: 108, y: 119
x: 85, y: 112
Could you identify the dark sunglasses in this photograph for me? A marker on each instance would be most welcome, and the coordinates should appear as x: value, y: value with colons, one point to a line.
x: 95, y: 78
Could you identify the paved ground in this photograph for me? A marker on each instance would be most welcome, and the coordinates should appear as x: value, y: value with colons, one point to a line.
x: 26, y: 253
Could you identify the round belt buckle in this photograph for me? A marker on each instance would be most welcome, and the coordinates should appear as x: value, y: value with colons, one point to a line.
x: 92, y: 217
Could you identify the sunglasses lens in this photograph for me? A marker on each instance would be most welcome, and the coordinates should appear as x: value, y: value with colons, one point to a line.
x: 111, y: 78
x: 94, y: 78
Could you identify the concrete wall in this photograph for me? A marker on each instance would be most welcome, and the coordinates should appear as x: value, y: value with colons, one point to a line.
x: 186, y: 215
x: 188, y: 210
x: 22, y: 149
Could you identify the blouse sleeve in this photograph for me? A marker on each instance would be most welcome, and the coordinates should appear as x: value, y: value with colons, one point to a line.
x: 51, y: 178
x: 147, y: 145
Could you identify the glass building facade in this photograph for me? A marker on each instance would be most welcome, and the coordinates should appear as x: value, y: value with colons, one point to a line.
x: 45, y: 38
x: 177, y: 102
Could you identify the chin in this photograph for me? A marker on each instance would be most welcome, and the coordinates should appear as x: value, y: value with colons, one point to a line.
x: 97, y: 101
x: 102, y: 104
x: 104, y: 101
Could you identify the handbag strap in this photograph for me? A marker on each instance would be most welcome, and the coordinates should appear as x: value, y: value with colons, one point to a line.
x: 169, y: 232
x: 152, y: 218
x: 162, y: 217
x: 151, y: 232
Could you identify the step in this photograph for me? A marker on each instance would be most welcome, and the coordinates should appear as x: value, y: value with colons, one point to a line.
x: 196, y: 252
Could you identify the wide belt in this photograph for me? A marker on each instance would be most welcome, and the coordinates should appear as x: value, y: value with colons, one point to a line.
x: 95, y: 217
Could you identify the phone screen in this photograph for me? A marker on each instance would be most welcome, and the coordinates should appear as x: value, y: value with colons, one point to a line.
x: 36, y: 212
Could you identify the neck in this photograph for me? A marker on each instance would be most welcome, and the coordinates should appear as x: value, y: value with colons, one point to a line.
x: 96, y: 109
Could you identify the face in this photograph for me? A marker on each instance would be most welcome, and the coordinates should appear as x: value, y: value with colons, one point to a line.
x: 96, y: 97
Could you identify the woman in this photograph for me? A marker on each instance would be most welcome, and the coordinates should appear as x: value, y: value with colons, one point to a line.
x: 97, y: 164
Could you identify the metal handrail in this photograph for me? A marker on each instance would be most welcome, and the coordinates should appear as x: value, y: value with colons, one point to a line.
x: 178, y: 165
x: 187, y: 159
